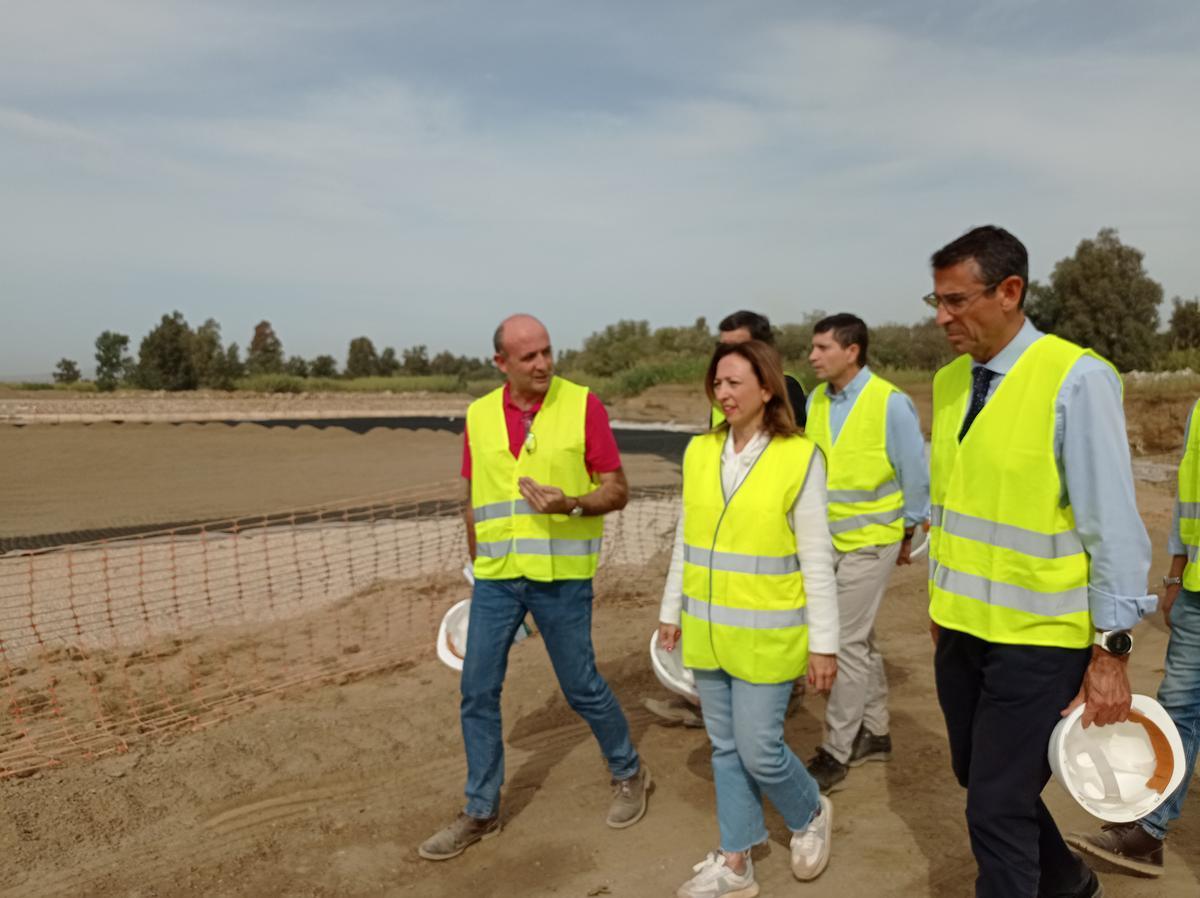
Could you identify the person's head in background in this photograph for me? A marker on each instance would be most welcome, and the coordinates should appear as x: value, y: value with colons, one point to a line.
x: 745, y: 325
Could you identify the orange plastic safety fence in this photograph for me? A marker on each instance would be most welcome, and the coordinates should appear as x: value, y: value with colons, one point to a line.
x: 107, y: 642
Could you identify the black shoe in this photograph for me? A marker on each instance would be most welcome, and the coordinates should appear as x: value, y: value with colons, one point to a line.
x: 827, y: 770
x: 869, y: 747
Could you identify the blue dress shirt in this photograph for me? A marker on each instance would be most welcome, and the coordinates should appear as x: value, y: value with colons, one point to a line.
x: 1092, y: 452
x: 905, y: 442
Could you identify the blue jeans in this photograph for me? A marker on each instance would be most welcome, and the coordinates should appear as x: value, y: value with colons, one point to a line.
x: 562, y: 611
x: 1180, y: 695
x: 749, y: 758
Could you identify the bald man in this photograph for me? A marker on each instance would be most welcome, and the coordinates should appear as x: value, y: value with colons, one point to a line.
x: 542, y: 469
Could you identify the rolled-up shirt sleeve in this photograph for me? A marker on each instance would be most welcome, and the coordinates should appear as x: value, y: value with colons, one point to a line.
x: 1175, y: 544
x: 1093, y: 454
x: 906, y: 452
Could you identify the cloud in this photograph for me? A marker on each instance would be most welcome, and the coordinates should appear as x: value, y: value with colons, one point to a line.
x: 279, y: 161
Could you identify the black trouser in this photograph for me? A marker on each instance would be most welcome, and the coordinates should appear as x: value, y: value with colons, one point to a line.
x: 1001, y: 703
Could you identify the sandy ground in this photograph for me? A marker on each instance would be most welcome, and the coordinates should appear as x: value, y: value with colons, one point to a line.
x: 327, y: 791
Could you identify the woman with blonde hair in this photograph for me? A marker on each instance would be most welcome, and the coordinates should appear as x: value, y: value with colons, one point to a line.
x: 751, y: 601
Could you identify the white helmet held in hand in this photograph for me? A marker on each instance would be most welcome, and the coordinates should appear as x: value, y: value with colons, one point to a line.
x: 452, y: 635
x: 668, y: 667
x: 1123, y: 771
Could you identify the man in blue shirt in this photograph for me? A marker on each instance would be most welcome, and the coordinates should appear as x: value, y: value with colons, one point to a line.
x: 1002, y: 692
x: 878, y: 493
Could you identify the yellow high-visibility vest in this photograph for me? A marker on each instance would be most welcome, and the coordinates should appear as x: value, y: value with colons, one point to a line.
x: 1005, y: 562
x: 866, y: 505
x: 1189, y: 503
x: 743, y: 590
x: 511, y: 539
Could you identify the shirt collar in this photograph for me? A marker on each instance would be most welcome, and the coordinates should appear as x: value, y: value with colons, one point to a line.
x: 508, y: 402
x: 851, y: 389
x: 1007, y: 357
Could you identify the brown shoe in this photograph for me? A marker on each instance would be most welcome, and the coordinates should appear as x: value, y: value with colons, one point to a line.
x: 629, y: 799
x: 454, y: 839
x: 1124, y: 845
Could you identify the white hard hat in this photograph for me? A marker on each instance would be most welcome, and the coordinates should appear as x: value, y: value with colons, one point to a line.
x: 452, y: 634
x: 1123, y: 771
x: 668, y: 667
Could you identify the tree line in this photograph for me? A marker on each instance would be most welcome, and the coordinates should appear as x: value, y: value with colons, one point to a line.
x: 176, y: 356
x: 1101, y: 297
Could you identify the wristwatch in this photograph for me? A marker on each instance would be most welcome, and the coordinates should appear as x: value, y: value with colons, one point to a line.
x: 577, y: 511
x: 1172, y: 581
x: 1115, y: 642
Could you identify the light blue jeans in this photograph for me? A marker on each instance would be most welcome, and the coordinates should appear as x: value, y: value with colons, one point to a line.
x: 750, y: 759
x: 562, y: 611
x: 1180, y: 695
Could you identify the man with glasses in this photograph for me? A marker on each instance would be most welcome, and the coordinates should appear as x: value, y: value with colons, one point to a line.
x: 878, y: 486
x: 1038, y: 559
x: 542, y: 469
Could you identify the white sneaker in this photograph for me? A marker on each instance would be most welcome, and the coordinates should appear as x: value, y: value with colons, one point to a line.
x: 810, y: 846
x: 714, y: 879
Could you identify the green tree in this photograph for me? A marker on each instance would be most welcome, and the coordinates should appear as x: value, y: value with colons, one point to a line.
x: 66, y: 372
x: 265, y: 355
x: 1042, y: 306
x: 696, y: 340
x: 1103, y: 298
x: 226, y: 368
x: 112, y: 364
x: 389, y: 365
x: 166, y: 358
x: 296, y: 366
x: 445, y: 363
x: 1184, y: 330
x: 207, y: 355
x: 361, y: 358
x: 323, y: 366
x: 416, y: 360
x: 615, y: 349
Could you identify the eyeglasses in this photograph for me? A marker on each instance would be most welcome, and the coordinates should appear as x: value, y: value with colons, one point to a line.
x: 956, y: 303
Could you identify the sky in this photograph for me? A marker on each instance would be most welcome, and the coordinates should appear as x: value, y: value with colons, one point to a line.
x: 415, y: 171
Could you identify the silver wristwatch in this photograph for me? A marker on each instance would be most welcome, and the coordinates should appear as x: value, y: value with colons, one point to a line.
x: 577, y: 511
x: 1172, y: 581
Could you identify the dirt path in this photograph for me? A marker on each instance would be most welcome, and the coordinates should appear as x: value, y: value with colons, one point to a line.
x: 326, y: 792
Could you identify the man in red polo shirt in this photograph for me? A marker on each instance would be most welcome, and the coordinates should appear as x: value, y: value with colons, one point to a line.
x: 542, y: 468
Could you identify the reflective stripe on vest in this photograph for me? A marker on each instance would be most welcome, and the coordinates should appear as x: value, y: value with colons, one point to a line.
x: 1189, y: 502
x: 744, y: 590
x: 747, y: 618
x: 1028, y: 542
x: 512, y: 540
x: 742, y: 564
x: 566, y: 547
x: 1005, y: 561
x: 866, y: 505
